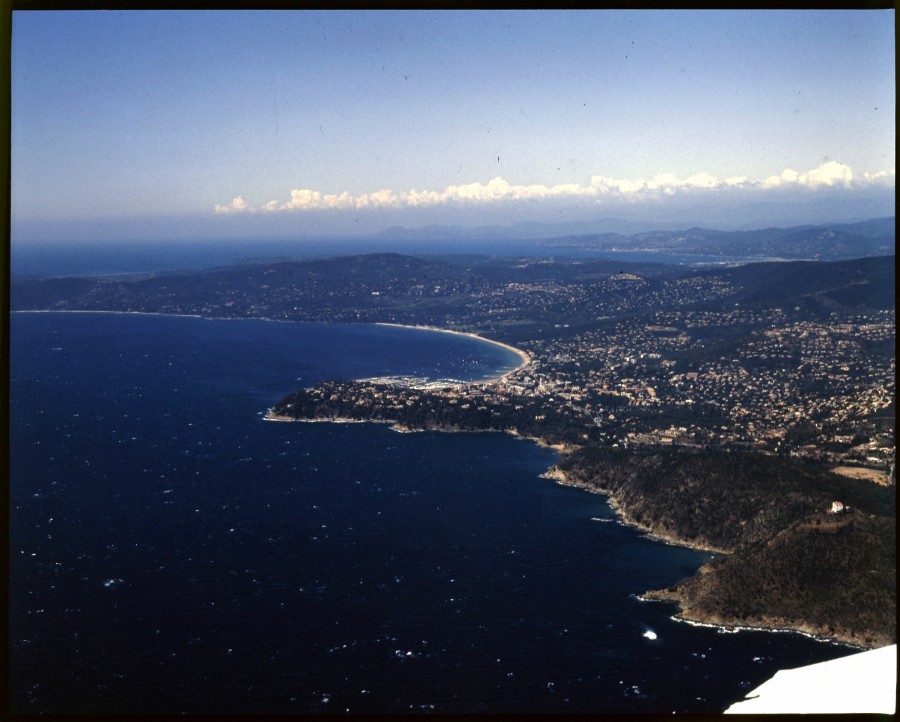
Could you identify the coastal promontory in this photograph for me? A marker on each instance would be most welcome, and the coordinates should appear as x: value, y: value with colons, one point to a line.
x: 790, y: 555
x: 712, y: 404
x: 784, y: 560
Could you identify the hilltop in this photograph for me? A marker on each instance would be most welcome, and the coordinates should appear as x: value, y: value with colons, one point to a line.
x: 407, y: 289
x: 825, y: 242
x: 787, y: 563
x: 829, y: 577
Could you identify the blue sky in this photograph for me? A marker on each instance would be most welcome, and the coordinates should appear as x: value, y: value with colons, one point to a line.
x: 130, y: 124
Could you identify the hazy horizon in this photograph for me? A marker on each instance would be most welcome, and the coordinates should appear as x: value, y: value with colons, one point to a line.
x: 137, y: 125
x: 822, y: 211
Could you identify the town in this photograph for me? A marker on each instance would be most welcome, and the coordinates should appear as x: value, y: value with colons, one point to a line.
x: 772, y: 380
x: 787, y: 359
x: 732, y: 409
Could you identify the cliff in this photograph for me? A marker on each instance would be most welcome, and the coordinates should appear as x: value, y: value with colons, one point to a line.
x: 715, y: 500
x: 791, y: 565
x: 827, y: 577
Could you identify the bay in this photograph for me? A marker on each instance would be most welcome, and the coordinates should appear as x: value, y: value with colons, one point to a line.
x: 171, y: 552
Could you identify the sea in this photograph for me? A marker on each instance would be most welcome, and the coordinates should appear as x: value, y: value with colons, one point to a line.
x: 171, y: 551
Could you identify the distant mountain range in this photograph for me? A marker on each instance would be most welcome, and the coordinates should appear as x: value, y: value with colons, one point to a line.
x: 833, y: 241
x: 518, y: 231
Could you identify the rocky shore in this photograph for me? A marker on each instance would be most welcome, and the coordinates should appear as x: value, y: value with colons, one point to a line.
x: 826, y: 584
x: 622, y: 511
x: 782, y: 562
x: 832, y: 577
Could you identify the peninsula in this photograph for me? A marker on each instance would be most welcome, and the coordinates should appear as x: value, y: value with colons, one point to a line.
x: 710, y: 404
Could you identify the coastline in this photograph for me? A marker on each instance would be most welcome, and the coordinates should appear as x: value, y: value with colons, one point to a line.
x: 525, y: 358
x: 726, y: 627
x: 179, y: 315
x: 683, y: 615
x: 123, y: 313
x: 403, y: 428
x: 553, y: 473
x: 281, y: 418
x: 560, y: 477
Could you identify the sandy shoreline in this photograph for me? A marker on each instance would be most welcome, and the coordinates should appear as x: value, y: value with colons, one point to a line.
x: 523, y: 356
x: 126, y: 313
x: 554, y: 473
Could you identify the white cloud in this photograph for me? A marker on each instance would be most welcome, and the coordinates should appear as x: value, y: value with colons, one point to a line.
x: 830, y: 174
x: 496, y: 189
x: 604, y: 186
x: 882, y: 177
x: 237, y: 205
x: 787, y: 176
x: 379, y: 199
x: 303, y: 199
x: 423, y: 198
x: 703, y: 180
x: 600, y: 188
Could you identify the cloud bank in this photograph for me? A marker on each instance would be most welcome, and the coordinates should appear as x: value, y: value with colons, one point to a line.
x: 600, y: 189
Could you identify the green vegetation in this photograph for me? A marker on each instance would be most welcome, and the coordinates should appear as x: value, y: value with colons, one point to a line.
x: 452, y: 410
x: 830, y: 577
x: 717, y: 499
x: 660, y: 381
x: 793, y: 566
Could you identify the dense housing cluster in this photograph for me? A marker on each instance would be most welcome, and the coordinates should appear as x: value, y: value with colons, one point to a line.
x: 811, y: 389
x: 649, y: 376
x: 781, y: 358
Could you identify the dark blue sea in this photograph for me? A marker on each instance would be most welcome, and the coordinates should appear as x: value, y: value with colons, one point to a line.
x: 171, y: 551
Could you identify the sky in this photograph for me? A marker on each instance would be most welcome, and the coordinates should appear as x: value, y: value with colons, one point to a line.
x: 135, y: 124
